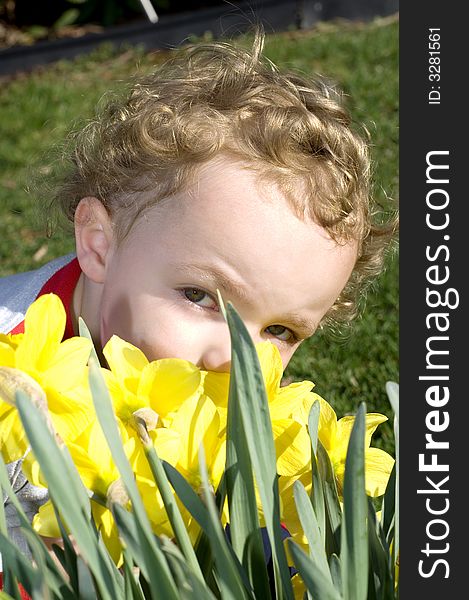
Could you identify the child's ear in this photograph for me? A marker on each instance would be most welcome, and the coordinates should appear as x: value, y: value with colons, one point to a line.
x: 93, y: 237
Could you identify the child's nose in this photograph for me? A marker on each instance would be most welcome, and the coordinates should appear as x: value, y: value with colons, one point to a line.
x: 217, y: 355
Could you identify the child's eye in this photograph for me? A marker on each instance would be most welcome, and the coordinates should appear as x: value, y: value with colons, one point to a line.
x: 199, y: 297
x: 282, y: 333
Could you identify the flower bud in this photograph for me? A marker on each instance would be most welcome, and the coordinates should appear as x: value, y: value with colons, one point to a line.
x: 117, y: 494
x: 12, y: 380
x: 149, y: 416
x: 144, y: 419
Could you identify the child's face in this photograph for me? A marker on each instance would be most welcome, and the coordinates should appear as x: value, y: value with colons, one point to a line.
x: 158, y: 287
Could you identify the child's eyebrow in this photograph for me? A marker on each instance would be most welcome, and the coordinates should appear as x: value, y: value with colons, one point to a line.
x: 303, y: 327
x: 216, y: 277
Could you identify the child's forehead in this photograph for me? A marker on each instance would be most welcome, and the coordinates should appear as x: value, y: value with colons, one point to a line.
x: 228, y: 191
x: 232, y: 177
x: 229, y: 209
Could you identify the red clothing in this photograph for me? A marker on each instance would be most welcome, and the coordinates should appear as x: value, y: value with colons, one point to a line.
x: 63, y: 284
x: 24, y: 595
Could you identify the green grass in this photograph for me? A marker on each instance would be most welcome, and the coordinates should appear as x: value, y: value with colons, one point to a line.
x: 38, y: 109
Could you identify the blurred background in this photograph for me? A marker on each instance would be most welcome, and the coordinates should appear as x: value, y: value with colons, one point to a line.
x: 57, y: 59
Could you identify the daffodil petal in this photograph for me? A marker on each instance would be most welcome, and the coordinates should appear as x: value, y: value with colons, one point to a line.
x: 345, y: 425
x: 125, y: 361
x: 301, y: 414
x: 167, y: 444
x: 32, y: 470
x: 289, y: 399
x: 44, y: 326
x: 11, y: 340
x: 293, y: 447
x: 168, y: 383
x: 45, y: 521
x: 271, y: 366
x: 7, y: 352
x: 327, y: 425
x: 93, y: 458
x: 378, y: 467
x: 90, y: 473
x: 217, y: 385
x: 13, y: 440
x: 66, y: 367
x: 298, y: 585
x: 98, y: 448
x: 108, y: 529
x: 197, y: 421
x: 70, y: 418
x: 218, y: 461
x: 289, y: 513
x: 372, y: 420
x: 154, y: 507
x: 119, y: 395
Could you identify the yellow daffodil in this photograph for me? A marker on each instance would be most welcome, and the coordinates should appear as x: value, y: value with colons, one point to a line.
x: 198, y: 422
x: 95, y: 465
x: 182, y: 408
x: 139, y: 386
x: 167, y: 444
x: 58, y: 367
x: 299, y: 587
x: 335, y: 434
x: 289, y: 408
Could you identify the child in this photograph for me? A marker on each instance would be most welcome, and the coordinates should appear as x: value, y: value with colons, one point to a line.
x: 216, y: 172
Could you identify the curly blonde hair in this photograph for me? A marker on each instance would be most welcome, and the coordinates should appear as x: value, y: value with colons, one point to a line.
x: 216, y: 98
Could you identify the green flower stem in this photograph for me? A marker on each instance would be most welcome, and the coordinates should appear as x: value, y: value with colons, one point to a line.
x: 171, y: 506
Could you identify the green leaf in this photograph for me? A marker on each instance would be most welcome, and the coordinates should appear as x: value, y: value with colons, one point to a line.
x: 86, y: 589
x: 199, y: 511
x: 228, y: 568
x: 187, y: 496
x: 204, y: 555
x: 380, y: 580
x: 333, y: 510
x: 154, y: 564
x: 354, y: 530
x: 16, y: 564
x: 11, y: 585
x: 85, y: 333
x: 189, y: 585
x: 316, y: 582
x: 311, y: 529
x: 254, y: 410
x: 313, y: 424
x: 392, y: 390
x: 44, y: 585
x: 133, y: 589
x: 57, y: 581
x: 388, y: 505
x: 245, y: 529
x: 67, y: 556
x: 317, y: 492
x: 68, y: 494
x: 334, y: 567
x: 173, y: 512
